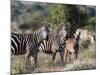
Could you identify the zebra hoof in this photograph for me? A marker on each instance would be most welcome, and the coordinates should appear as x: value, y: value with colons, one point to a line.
x: 63, y: 64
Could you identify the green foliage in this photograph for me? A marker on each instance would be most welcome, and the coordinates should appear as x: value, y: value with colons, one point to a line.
x: 75, y: 16
x: 31, y: 15
x: 91, y: 24
x: 56, y: 14
x: 37, y: 14
x: 72, y: 16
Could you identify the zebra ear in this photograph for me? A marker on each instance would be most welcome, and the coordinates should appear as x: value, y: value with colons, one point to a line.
x: 68, y: 24
x: 62, y: 23
x: 49, y: 24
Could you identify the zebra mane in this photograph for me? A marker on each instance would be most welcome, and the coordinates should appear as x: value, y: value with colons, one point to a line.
x: 59, y: 27
x: 38, y: 26
x: 55, y: 35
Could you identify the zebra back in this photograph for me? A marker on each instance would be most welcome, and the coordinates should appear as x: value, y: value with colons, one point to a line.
x: 22, y: 43
x: 19, y: 42
x: 54, y: 44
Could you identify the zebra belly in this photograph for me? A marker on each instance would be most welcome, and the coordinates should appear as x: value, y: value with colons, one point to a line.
x: 20, y: 51
x: 47, y: 51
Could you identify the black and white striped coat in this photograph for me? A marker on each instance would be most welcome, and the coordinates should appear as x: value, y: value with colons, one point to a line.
x: 20, y: 43
x: 56, y: 43
x: 28, y: 43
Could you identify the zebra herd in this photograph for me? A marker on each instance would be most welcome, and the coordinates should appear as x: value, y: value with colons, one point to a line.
x: 40, y: 40
x: 55, y: 43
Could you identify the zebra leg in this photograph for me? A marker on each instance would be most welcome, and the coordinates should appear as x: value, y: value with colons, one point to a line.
x: 76, y: 55
x: 53, y: 56
x: 27, y: 56
x: 35, y: 57
x: 76, y: 52
x: 33, y: 61
x: 61, y: 55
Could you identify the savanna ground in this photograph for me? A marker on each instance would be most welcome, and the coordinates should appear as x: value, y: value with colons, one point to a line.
x: 86, y: 61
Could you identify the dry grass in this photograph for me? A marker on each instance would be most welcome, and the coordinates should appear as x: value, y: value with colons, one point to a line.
x: 85, y: 61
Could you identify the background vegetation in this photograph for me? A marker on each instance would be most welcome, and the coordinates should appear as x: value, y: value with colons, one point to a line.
x: 27, y: 16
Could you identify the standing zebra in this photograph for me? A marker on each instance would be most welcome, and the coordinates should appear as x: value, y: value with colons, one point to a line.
x: 28, y: 43
x: 56, y: 43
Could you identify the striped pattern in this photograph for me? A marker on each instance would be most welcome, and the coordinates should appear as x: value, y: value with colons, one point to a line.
x: 28, y: 43
x: 19, y: 43
x: 56, y: 43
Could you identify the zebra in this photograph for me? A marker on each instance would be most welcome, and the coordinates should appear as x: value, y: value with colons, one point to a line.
x: 56, y: 43
x: 28, y: 43
x: 77, y: 39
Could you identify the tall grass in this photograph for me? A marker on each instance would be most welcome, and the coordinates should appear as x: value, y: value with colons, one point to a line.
x: 86, y: 60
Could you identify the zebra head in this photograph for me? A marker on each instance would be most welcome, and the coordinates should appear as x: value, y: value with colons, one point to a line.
x: 45, y: 32
x: 77, y: 34
x: 65, y: 32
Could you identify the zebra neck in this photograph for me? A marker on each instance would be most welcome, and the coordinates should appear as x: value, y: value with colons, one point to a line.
x: 77, y: 40
x: 37, y: 36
